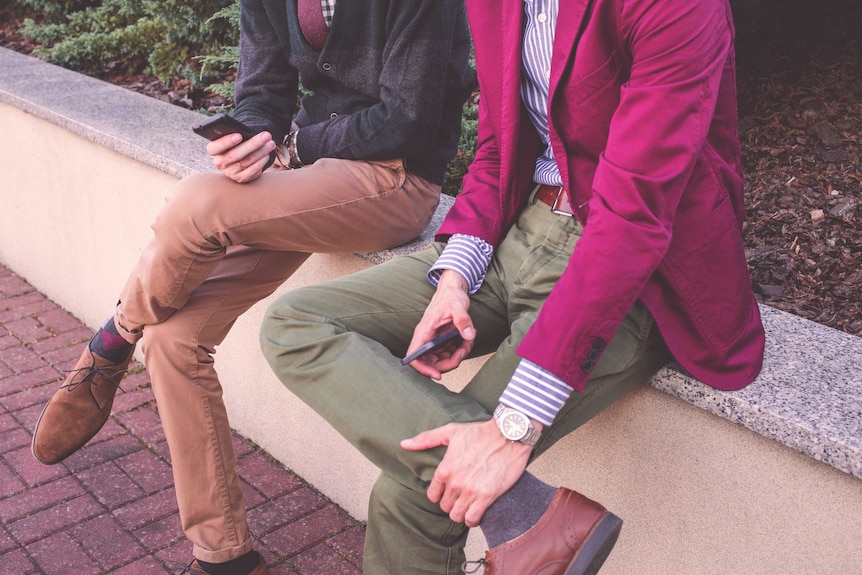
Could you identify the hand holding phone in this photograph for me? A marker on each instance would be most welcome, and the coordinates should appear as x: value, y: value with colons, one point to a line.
x: 220, y: 125
x: 428, y: 346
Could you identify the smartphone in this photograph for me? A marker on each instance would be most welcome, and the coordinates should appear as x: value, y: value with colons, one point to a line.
x: 428, y: 346
x: 221, y: 125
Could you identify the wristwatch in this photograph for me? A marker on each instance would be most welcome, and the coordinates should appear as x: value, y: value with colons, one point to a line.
x: 515, y: 426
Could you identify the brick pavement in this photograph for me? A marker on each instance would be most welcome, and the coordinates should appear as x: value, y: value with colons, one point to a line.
x: 110, y: 508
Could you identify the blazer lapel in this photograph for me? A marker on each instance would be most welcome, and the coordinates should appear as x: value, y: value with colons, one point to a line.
x: 512, y: 25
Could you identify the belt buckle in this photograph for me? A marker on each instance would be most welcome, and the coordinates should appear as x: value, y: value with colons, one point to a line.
x: 558, y: 200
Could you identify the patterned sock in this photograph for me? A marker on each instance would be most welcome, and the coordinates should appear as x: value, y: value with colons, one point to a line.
x: 109, y: 344
x: 242, y: 565
x: 517, y: 510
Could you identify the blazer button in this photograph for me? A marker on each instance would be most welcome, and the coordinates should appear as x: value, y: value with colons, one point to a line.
x: 587, y: 366
x: 327, y: 66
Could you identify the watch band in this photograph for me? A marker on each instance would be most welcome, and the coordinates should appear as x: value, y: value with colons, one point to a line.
x: 293, y: 160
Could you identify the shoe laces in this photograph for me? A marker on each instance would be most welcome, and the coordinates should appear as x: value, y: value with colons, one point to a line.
x: 88, y: 373
x: 473, y: 566
x: 183, y: 568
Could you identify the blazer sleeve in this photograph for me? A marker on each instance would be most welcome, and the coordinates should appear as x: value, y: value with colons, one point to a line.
x: 678, y: 50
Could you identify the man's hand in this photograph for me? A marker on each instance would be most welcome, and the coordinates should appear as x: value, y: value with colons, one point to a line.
x: 241, y: 162
x: 479, y: 466
x: 448, y: 307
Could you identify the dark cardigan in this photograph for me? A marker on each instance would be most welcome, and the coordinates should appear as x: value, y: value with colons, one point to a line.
x: 390, y: 82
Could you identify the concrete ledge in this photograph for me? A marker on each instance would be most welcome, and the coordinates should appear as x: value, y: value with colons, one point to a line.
x: 740, y: 493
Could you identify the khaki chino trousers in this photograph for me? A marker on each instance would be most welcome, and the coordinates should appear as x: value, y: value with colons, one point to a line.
x: 219, y: 247
x: 337, y: 346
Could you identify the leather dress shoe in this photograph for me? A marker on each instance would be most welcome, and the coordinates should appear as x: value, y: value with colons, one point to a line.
x: 573, y: 537
x: 80, y: 408
x: 194, y: 568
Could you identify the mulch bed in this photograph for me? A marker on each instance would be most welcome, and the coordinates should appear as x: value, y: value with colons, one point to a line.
x: 800, y: 99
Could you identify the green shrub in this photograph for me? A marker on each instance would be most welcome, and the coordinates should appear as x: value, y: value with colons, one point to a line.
x: 153, y: 36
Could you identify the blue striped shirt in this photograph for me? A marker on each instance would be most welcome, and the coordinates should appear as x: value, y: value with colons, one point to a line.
x: 532, y: 390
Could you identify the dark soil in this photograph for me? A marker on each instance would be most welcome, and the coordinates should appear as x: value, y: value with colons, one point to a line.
x: 800, y: 99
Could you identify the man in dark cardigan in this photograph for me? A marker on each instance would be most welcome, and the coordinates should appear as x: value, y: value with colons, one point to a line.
x: 363, y: 163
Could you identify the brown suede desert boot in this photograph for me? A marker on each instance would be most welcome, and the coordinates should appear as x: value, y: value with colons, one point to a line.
x: 194, y: 568
x: 573, y: 537
x: 79, y: 408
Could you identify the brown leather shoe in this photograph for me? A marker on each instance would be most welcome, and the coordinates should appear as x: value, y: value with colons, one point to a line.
x: 573, y: 537
x: 79, y: 408
x: 194, y: 568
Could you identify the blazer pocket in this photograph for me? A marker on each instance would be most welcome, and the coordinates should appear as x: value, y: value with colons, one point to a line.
x: 595, y: 82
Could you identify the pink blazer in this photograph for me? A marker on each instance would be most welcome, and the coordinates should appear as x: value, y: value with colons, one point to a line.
x: 643, y: 124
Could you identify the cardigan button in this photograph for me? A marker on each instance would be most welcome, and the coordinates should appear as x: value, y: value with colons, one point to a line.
x: 587, y: 366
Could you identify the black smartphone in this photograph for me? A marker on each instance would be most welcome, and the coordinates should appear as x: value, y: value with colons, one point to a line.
x: 221, y: 125
x: 428, y: 346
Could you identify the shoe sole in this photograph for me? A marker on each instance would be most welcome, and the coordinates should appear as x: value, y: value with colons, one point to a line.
x: 597, y: 546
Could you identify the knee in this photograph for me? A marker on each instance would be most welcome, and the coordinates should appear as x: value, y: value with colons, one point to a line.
x: 286, y: 328
x: 189, y: 202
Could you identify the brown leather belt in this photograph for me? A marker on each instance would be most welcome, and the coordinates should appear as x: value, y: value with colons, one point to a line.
x: 556, y: 197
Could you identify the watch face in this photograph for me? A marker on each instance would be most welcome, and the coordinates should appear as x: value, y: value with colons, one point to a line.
x: 514, y: 426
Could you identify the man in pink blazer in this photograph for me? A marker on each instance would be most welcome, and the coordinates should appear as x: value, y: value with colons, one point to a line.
x: 598, y: 234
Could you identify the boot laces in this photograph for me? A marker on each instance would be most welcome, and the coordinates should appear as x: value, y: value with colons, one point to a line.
x: 90, y: 372
x: 473, y: 566
x: 183, y: 568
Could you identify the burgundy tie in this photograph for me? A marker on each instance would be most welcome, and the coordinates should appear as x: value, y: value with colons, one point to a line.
x: 311, y: 21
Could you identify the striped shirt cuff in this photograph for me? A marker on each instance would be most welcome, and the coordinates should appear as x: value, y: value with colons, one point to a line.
x: 536, y: 392
x: 469, y: 256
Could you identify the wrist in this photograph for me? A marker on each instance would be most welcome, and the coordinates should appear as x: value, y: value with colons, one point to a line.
x: 450, y: 279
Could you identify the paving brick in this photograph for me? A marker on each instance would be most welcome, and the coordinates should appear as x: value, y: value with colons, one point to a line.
x: 28, y: 329
x: 31, y: 470
x: 110, y: 485
x: 145, y: 566
x: 68, y: 338
x: 252, y: 496
x: 97, y: 452
x: 266, y: 475
x: 5, y: 371
x: 161, y: 533
x: 284, y: 510
x: 38, y: 525
x: 57, y: 320
x: 8, y: 423
x: 133, y: 398
x: 44, y: 375
x: 107, y: 542
x: 241, y: 446
x: 11, y: 285
x: 323, y: 560
x: 350, y: 543
x: 147, y: 510
x: 10, y: 483
x: 6, y: 543
x: 28, y: 416
x: 6, y: 340
x: 61, y: 555
x: 149, y: 471
x: 64, y: 357
x: 23, y: 305
x: 21, y: 359
x: 28, y: 397
x: 14, y: 439
x: 16, y: 563
x: 38, y: 498
x: 144, y: 423
x: 308, y: 531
